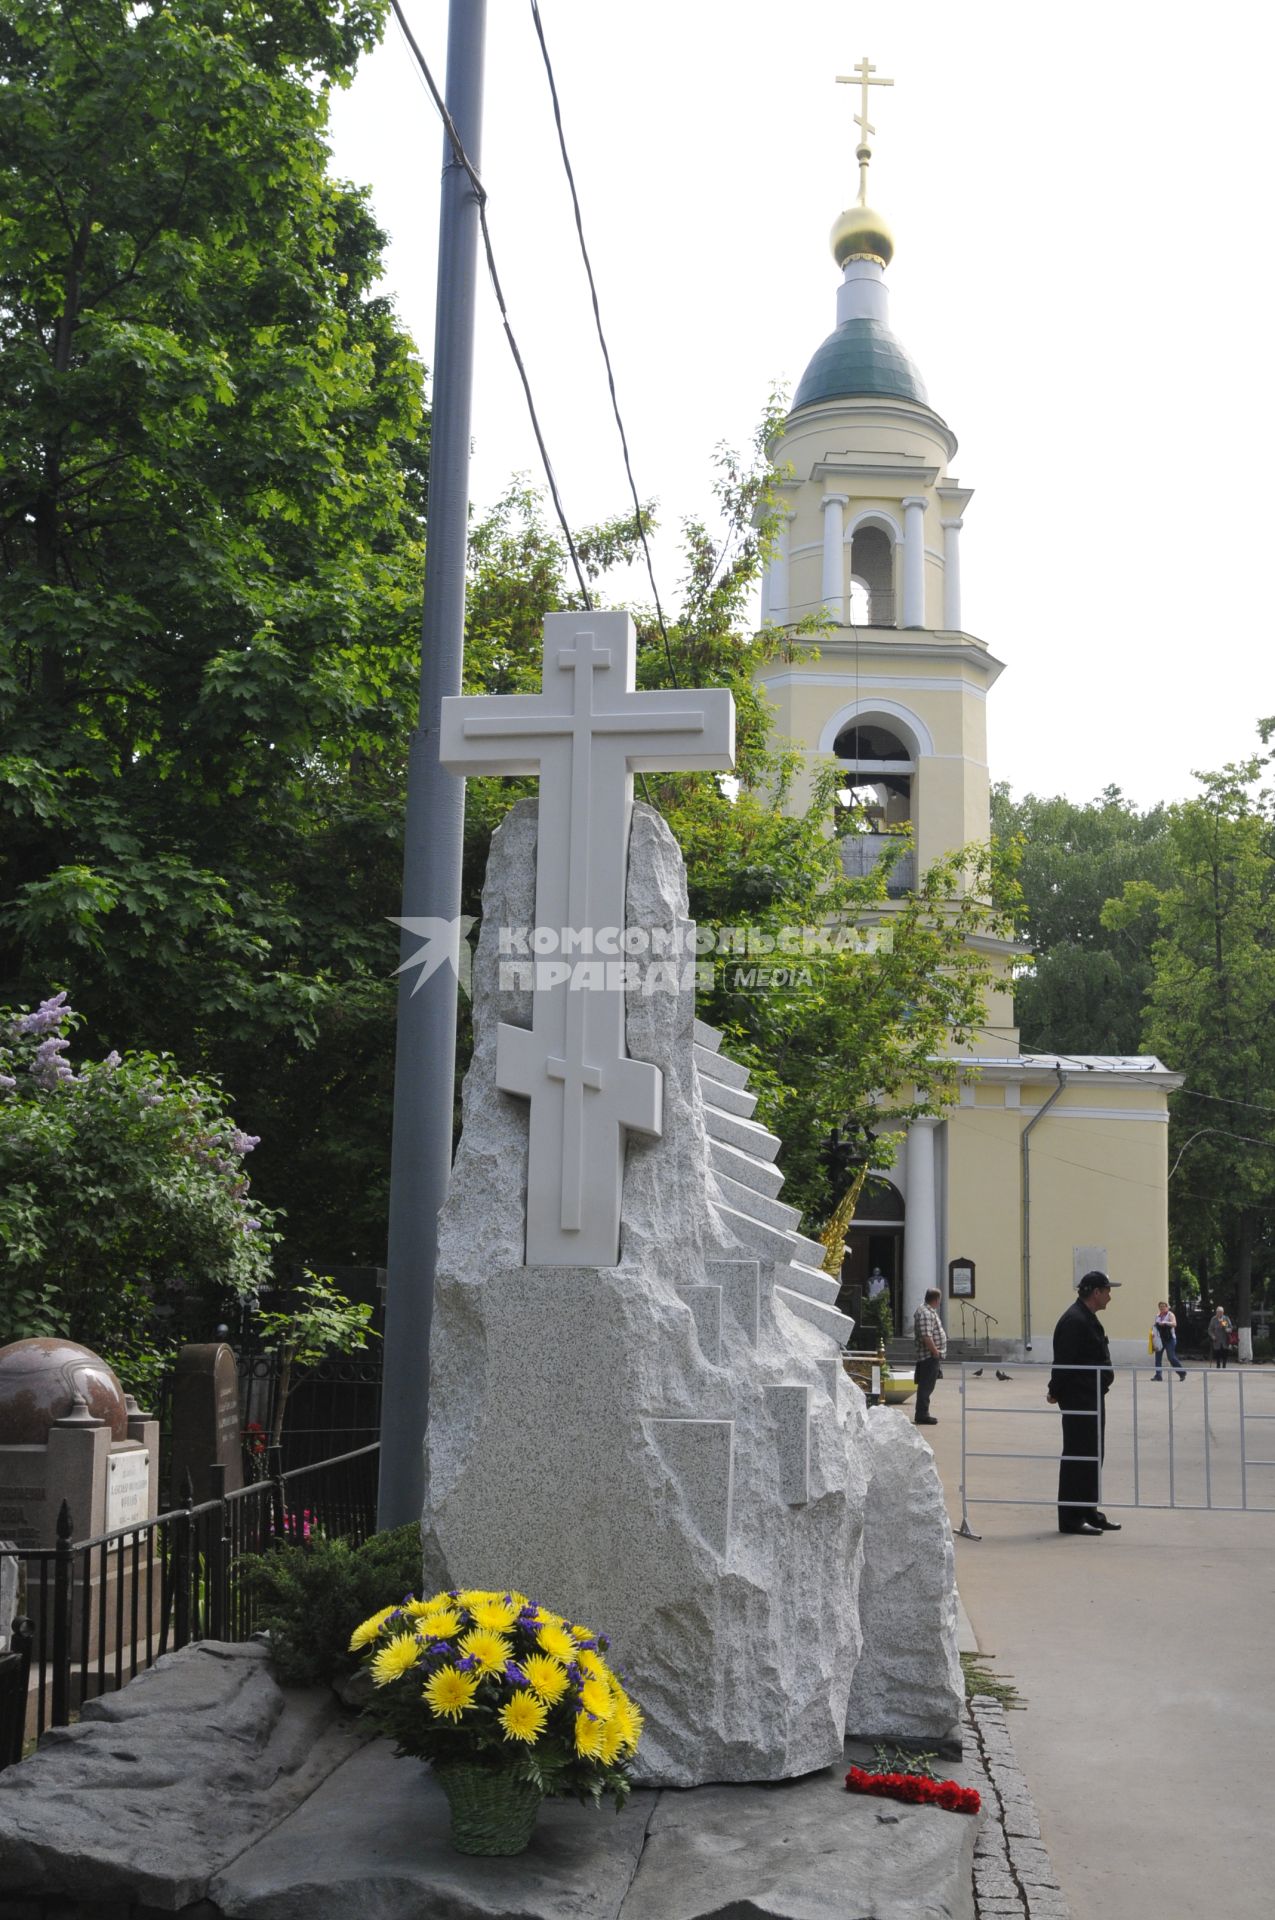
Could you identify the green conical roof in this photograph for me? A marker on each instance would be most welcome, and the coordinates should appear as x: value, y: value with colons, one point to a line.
x: 861, y: 357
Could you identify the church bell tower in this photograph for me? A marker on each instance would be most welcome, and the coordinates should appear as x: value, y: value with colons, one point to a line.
x: 872, y: 516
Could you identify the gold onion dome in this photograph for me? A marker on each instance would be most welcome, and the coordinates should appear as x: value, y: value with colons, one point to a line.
x: 859, y: 234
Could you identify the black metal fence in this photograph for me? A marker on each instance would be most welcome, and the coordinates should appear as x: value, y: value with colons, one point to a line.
x: 98, y: 1612
x: 333, y: 1408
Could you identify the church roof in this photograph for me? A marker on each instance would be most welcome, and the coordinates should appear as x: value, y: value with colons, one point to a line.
x: 861, y: 357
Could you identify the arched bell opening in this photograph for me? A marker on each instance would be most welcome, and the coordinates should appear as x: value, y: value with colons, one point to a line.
x: 877, y: 800
x: 872, y: 568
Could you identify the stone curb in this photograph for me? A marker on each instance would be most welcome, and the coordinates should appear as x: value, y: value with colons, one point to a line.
x: 1014, y: 1877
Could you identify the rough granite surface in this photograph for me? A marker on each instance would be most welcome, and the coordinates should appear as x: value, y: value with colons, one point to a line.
x: 584, y: 1447
x: 908, y: 1684
x: 160, y: 1784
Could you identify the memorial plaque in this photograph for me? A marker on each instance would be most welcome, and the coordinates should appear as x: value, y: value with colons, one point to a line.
x: 23, y: 1498
x: 960, y: 1279
x: 207, y: 1431
x: 128, y: 1476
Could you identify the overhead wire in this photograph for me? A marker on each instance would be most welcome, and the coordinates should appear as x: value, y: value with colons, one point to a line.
x: 638, y: 515
x: 480, y: 195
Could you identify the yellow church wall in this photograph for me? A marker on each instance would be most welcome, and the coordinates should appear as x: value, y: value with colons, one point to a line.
x: 982, y: 1210
x: 1100, y: 1183
x: 1096, y: 1181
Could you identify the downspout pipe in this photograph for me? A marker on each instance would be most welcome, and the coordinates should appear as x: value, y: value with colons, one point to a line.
x: 1035, y: 1121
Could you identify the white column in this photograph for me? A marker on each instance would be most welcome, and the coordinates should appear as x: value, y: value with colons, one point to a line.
x: 920, y: 1231
x: 914, y: 560
x: 834, y: 578
x: 775, y: 601
x: 952, y: 575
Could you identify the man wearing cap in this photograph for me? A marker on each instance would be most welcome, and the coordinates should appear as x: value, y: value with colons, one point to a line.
x: 1080, y: 1343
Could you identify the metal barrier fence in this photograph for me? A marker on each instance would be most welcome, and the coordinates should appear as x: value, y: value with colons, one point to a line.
x: 1194, y: 1444
x: 98, y: 1612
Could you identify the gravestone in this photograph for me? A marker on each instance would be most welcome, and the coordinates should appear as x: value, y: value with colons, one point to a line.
x: 68, y: 1432
x: 207, y: 1429
x: 63, y: 1419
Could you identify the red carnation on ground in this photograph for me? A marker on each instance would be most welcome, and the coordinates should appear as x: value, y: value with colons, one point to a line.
x: 915, y: 1789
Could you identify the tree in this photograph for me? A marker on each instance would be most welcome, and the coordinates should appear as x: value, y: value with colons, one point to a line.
x: 317, y: 1321
x: 123, y: 1197
x: 1084, y: 989
x: 212, y: 446
x: 1209, y: 1014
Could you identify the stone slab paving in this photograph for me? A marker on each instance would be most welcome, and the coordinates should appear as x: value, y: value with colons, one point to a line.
x: 203, y: 1789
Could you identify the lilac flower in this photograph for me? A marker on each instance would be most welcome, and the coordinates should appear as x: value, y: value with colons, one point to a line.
x: 241, y: 1142
x: 49, y: 1013
x: 112, y: 1060
x: 47, y: 1069
x: 7, y: 1080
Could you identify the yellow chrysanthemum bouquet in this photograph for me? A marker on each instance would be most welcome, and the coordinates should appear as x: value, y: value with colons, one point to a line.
x: 495, y: 1683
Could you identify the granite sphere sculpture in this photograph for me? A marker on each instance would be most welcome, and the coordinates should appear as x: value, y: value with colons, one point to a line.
x: 39, y: 1382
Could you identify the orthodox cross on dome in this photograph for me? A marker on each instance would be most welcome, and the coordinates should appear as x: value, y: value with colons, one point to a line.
x: 585, y: 734
x: 864, y: 76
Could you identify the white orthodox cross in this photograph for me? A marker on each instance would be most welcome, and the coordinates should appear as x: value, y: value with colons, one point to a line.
x: 585, y: 734
x: 863, y: 77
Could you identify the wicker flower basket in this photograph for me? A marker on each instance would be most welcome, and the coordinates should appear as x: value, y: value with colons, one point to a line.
x: 491, y: 1811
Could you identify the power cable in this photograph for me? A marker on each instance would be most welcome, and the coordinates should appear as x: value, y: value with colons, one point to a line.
x: 639, y: 517
x: 480, y: 194
x: 1225, y: 1100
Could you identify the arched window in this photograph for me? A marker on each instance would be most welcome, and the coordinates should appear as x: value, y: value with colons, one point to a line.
x: 877, y: 797
x: 872, y: 565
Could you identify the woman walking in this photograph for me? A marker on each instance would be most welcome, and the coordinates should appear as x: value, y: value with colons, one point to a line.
x: 1220, y: 1331
x: 1165, y: 1336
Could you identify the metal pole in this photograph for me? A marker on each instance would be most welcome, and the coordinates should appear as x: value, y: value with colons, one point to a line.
x: 965, y: 1529
x: 424, y: 1065
x: 1243, y: 1449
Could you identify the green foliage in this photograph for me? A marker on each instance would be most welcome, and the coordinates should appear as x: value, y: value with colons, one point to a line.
x: 1084, y: 989
x: 212, y: 447
x: 122, y: 1191
x: 979, y: 1678
x: 877, y: 1316
x: 318, y: 1321
x: 307, y: 1595
x: 1208, y: 1014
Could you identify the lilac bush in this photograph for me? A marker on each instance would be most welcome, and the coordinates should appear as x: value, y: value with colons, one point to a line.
x: 122, y: 1190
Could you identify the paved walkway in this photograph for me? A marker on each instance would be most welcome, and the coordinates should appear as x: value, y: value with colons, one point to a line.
x: 1146, y: 1656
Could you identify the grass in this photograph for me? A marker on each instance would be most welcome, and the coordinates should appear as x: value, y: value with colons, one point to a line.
x: 979, y: 1678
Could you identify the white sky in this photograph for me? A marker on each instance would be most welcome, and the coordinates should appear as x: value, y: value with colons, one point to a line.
x: 1080, y: 202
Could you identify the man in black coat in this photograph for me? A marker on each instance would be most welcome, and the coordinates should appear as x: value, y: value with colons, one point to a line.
x: 1080, y: 1343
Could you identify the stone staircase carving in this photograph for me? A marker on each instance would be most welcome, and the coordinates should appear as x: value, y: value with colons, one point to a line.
x: 783, y: 1269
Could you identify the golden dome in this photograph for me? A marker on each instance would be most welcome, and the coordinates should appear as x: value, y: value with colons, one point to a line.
x: 860, y: 233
